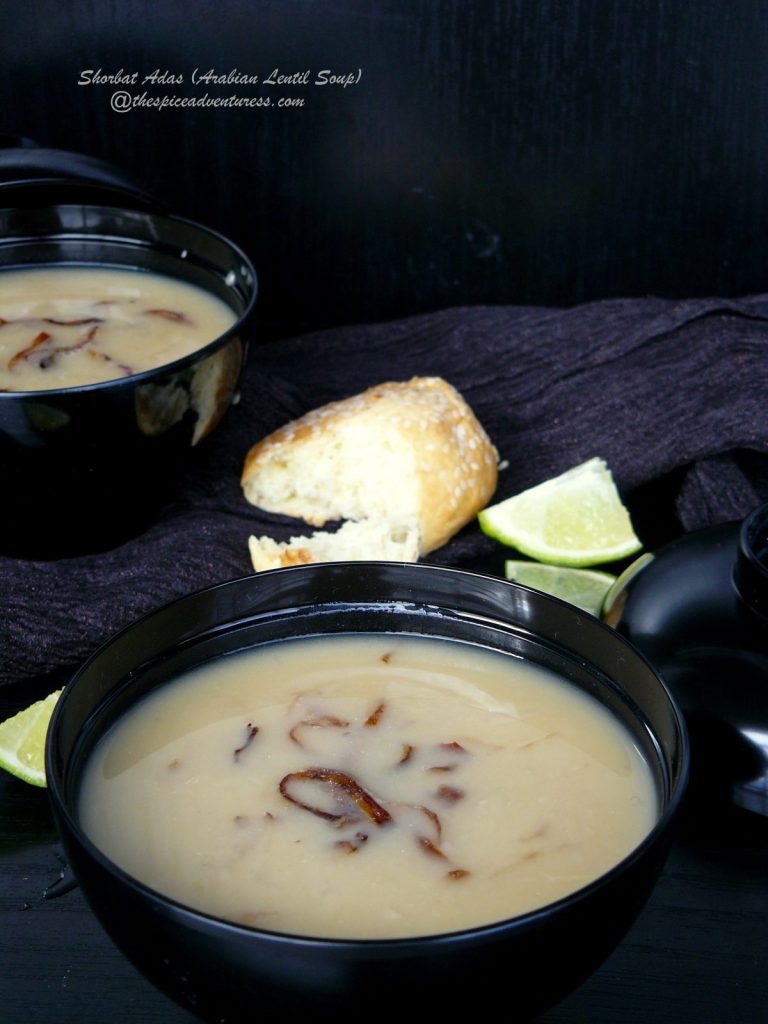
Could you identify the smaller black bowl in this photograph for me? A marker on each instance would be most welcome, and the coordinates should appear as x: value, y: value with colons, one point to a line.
x: 86, y: 467
x: 225, y: 972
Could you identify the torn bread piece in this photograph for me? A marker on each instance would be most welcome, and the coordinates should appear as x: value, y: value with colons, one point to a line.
x: 400, y: 452
x: 370, y: 539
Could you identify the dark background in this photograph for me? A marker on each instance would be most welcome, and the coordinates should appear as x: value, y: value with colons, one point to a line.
x: 494, y: 151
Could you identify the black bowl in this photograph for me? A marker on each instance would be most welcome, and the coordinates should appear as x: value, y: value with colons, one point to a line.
x: 86, y: 467
x: 226, y: 972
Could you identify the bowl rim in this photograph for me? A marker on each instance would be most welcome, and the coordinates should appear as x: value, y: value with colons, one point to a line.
x: 176, y: 365
x: 482, y: 932
x: 750, y: 570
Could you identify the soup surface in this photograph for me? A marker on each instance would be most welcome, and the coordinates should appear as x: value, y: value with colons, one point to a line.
x: 367, y: 787
x: 64, y: 327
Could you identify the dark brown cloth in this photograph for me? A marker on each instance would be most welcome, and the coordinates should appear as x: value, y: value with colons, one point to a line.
x: 671, y: 393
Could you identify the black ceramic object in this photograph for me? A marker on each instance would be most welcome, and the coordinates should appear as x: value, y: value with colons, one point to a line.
x: 698, y: 610
x: 33, y: 175
x: 230, y: 973
x: 86, y: 467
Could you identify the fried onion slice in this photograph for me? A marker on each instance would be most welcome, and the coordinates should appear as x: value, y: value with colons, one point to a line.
x: 348, y: 799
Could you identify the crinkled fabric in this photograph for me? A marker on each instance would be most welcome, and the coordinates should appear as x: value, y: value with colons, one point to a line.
x: 671, y: 393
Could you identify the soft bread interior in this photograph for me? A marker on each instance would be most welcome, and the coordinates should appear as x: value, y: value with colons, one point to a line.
x: 361, y: 470
x: 355, y: 541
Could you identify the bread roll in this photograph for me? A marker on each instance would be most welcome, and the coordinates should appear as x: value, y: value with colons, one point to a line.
x: 408, y: 453
x: 371, y: 538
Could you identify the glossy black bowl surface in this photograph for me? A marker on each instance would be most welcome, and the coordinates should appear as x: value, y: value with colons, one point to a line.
x: 698, y: 610
x: 86, y: 467
x: 225, y: 972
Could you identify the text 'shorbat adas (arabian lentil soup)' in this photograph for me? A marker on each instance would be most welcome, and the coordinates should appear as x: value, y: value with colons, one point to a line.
x: 367, y: 787
x: 63, y: 327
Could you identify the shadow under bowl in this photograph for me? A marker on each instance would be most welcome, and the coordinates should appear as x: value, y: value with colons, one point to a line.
x: 229, y: 973
x: 87, y: 467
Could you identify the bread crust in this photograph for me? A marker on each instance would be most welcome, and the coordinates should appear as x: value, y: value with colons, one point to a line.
x: 454, y: 462
x: 355, y: 541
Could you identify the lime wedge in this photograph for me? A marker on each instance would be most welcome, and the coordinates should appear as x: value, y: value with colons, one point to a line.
x: 584, y: 588
x: 575, y: 519
x: 22, y: 740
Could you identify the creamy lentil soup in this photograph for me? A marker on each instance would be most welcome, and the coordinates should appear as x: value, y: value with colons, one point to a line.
x: 367, y: 787
x: 68, y: 326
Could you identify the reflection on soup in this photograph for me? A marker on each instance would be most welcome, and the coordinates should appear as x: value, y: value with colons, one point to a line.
x: 64, y: 327
x: 367, y: 787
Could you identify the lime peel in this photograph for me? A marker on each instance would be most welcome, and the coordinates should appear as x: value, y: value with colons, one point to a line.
x: 616, y: 596
x: 22, y: 740
x: 584, y: 588
x: 576, y: 519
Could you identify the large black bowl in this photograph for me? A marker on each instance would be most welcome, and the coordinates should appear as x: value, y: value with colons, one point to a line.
x: 85, y: 467
x: 226, y: 972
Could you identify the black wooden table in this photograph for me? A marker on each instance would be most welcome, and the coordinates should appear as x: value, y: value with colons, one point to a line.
x: 698, y: 953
